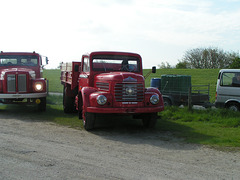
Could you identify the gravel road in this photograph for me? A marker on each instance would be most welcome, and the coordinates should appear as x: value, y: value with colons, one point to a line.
x: 34, y: 149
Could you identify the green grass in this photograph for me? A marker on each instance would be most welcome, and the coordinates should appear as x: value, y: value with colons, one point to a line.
x: 215, y: 127
x: 53, y: 77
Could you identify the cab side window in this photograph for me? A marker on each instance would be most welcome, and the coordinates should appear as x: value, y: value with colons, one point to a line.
x: 236, y: 80
x: 230, y: 79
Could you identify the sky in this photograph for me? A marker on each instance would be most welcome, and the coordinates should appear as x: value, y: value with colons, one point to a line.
x: 158, y: 30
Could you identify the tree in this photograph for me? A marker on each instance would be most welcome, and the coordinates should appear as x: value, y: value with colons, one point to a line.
x: 182, y: 65
x: 208, y: 58
x: 235, y: 63
x: 165, y: 65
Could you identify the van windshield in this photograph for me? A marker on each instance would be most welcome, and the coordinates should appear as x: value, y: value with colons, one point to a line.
x: 16, y: 60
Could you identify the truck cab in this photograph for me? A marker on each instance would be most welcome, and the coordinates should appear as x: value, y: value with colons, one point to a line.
x: 21, y: 80
x: 228, y: 89
x: 113, y: 83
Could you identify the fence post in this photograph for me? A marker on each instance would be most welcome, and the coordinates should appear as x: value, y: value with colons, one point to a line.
x: 190, y: 98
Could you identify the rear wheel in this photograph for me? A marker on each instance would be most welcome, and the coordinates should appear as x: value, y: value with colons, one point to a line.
x: 68, y: 102
x: 233, y: 106
x: 150, y: 120
x: 89, y: 120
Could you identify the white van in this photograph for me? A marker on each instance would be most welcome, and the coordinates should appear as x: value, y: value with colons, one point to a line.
x: 228, y: 89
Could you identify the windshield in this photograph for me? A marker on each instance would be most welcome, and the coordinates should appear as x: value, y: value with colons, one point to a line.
x: 16, y: 60
x: 116, y: 63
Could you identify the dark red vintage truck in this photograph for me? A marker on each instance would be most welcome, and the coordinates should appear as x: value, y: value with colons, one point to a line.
x: 21, y: 80
x: 109, y: 83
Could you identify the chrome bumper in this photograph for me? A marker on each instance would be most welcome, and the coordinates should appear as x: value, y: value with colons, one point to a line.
x: 29, y: 95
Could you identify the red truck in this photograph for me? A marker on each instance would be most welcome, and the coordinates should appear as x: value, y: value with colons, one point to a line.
x: 109, y: 83
x: 21, y: 79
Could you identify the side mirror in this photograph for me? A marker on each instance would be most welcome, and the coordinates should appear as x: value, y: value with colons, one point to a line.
x: 154, y: 69
x: 47, y: 60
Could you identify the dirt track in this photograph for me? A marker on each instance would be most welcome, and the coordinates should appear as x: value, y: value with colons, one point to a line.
x: 31, y: 149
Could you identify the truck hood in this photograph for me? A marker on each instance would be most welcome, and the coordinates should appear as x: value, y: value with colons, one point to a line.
x: 19, y: 70
x: 120, y: 77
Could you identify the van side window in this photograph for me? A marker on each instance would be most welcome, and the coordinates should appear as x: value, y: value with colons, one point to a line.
x: 230, y: 79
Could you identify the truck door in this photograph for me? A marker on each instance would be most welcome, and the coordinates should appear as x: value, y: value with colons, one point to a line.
x: 85, y: 73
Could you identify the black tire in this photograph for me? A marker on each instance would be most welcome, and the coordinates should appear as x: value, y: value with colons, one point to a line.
x: 68, y: 102
x: 167, y: 102
x: 150, y: 120
x: 233, y: 106
x: 80, y: 103
x: 88, y: 122
x: 42, y: 104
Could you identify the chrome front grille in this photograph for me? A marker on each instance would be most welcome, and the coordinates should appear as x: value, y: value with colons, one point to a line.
x: 22, y: 83
x: 129, y: 92
x: 16, y: 83
x: 11, y: 83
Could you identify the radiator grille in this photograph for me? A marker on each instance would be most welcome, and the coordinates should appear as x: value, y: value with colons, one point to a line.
x: 102, y: 86
x: 16, y: 83
x: 11, y: 83
x: 129, y: 92
x: 22, y: 83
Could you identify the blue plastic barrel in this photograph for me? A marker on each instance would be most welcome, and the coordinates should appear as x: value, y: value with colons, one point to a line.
x: 156, y: 82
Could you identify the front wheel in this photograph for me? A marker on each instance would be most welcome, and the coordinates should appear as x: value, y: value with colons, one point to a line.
x: 80, y: 103
x: 88, y: 121
x: 42, y: 104
x: 150, y: 120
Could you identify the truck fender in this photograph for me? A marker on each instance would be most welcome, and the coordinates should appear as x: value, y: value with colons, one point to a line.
x: 86, y: 91
x: 155, y: 90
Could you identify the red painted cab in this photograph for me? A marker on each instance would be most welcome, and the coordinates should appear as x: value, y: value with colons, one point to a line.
x: 21, y: 80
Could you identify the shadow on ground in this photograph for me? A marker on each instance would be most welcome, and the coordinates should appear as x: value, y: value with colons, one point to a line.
x: 115, y: 128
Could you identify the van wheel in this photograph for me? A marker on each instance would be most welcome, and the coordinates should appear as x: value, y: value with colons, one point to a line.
x: 88, y: 121
x: 233, y: 106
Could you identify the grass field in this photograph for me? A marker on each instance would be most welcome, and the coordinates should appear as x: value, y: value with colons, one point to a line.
x: 214, y: 127
x: 53, y: 77
x: 198, y: 76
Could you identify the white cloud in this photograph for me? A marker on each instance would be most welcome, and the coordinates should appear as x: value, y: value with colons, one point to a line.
x: 64, y: 30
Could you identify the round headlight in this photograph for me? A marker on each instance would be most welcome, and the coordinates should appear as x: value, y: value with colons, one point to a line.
x: 154, y: 99
x: 101, y: 99
x: 38, y: 86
